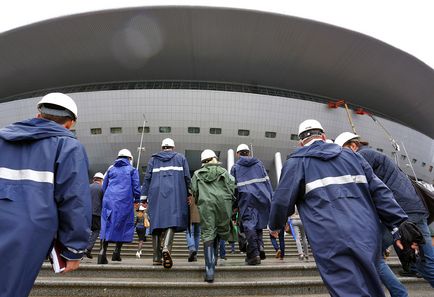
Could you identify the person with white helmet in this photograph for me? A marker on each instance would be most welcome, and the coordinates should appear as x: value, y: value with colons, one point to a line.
x: 121, y: 188
x: 341, y: 203
x: 140, y: 222
x: 166, y: 188
x: 254, y: 194
x: 96, y: 194
x: 44, y: 193
x: 406, y: 196
x: 213, y: 190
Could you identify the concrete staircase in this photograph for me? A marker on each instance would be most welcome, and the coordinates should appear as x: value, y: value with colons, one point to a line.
x: 137, y: 277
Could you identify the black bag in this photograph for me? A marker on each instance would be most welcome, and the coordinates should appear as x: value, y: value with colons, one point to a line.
x: 427, y: 197
x: 409, y: 233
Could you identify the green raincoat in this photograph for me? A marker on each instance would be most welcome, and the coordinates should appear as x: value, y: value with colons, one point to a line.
x: 213, y: 190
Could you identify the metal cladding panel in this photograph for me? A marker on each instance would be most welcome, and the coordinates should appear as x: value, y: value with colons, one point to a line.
x: 220, y: 45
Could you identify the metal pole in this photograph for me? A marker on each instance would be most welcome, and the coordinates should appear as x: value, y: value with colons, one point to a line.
x: 230, y: 159
x: 350, y: 119
x: 141, y: 141
x: 409, y: 161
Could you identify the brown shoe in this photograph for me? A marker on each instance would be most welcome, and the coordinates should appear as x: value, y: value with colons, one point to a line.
x: 278, y: 253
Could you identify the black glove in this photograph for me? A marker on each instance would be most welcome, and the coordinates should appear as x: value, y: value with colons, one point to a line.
x: 409, y: 233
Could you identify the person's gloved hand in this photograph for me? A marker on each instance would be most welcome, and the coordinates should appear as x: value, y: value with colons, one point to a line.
x: 407, y: 239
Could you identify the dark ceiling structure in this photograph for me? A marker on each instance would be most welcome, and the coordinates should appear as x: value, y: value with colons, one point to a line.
x: 176, y: 43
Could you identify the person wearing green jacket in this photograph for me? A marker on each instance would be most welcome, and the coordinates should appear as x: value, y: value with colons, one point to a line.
x: 213, y: 190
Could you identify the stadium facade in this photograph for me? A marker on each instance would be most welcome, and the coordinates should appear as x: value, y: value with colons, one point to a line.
x: 214, y: 78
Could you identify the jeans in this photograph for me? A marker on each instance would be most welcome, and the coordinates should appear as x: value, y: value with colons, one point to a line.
x: 193, y: 237
x: 281, y: 242
x: 388, y: 278
x: 425, y: 267
x: 222, y: 248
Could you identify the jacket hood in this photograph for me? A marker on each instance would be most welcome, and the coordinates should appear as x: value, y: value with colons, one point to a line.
x: 33, y: 129
x: 318, y: 149
x: 164, y: 155
x: 121, y: 162
x: 247, y: 161
x: 210, y: 172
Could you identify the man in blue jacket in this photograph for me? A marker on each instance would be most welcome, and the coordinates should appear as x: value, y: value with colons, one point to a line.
x: 341, y: 203
x: 44, y: 194
x: 121, y: 189
x: 253, y: 200
x: 400, y: 185
x: 166, y: 188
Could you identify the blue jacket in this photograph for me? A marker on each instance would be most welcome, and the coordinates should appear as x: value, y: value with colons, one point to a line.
x: 121, y: 187
x: 44, y: 193
x: 166, y: 185
x: 253, y: 192
x: 341, y: 202
x: 395, y: 179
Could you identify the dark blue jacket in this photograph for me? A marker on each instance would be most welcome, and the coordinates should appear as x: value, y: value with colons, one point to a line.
x: 44, y: 193
x: 395, y: 179
x: 121, y: 188
x: 96, y: 193
x: 341, y: 202
x: 253, y: 192
x: 166, y: 185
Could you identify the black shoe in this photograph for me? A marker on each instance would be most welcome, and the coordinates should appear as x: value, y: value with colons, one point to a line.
x: 89, y: 255
x: 116, y: 257
x: 192, y: 257
x: 102, y: 259
x: 409, y: 274
x: 253, y: 261
x: 262, y: 255
x: 167, y: 260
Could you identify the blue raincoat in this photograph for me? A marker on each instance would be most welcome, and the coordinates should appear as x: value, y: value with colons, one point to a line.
x: 166, y: 185
x: 121, y: 188
x: 253, y: 192
x: 341, y: 202
x: 44, y: 193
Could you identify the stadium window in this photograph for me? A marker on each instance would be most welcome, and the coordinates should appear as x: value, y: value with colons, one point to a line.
x: 242, y: 132
x: 379, y: 149
x: 116, y: 130
x: 423, y: 164
x: 430, y: 169
x: 269, y: 134
x: 165, y: 129
x: 393, y: 154
x: 294, y: 137
x: 193, y: 130
x: 413, y: 161
x: 403, y: 157
x: 215, y: 130
x: 140, y: 129
x: 95, y: 131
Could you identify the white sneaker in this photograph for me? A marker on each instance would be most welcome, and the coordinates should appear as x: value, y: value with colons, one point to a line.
x: 138, y: 254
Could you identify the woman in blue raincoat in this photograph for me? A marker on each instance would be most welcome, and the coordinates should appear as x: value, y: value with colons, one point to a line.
x: 121, y: 188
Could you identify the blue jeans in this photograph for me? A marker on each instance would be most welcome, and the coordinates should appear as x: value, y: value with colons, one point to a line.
x: 426, y: 267
x: 281, y: 245
x: 388, y: 278
x: 193, y: 237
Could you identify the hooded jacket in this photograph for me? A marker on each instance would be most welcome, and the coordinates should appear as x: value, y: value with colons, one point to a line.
x: 44, y: 193
x: 121, y: 187
x: 167, y: 182
x: 213, y: 190
x: 253, y: 192
x: 341, y: 202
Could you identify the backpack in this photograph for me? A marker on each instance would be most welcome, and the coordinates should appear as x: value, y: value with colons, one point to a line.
x: 427, y: 197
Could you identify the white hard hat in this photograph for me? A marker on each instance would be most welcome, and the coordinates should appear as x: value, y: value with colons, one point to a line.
x: 309, y: 125
x: 142, y: 208
x: 61, y: 100
x: 99, y: 175
x: 168, y: 142
x: 125, y: 153
x: 344, y: 137
x: 207, y: 154
x: 243, y: 147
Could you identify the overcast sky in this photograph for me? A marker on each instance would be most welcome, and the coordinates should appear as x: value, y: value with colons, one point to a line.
x: 405, y: 24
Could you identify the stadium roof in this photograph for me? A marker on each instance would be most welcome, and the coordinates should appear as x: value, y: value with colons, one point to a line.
x: 218, y: 45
